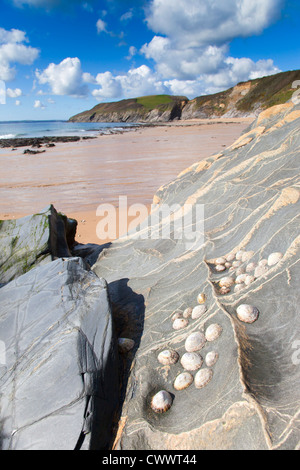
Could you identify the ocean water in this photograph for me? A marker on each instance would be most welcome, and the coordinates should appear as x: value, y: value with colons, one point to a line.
x: 19, y: 129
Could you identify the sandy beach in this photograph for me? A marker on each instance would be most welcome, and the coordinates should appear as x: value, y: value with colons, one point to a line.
x: 78, y: 177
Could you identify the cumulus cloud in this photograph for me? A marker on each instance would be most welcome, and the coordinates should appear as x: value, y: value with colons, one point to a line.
x: 136, y: 82
x: 14, y: 93
x: 191, y: 47
x: 13, y: 51
x: 39, y: 104
x: 65, y: 78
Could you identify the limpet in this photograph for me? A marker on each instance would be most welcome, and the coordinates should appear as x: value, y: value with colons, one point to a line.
x: 125, y: 345
x: 226, y: 282
x: 191, y: 361
x: 220, y: 261
x: 220, y: 267
x: 227, y: 265
x: 251, y: 267
x: 201, y: 299
x: 203, y: 377
x: 184, y: 380
x: 247, y: 313
x: 230, y: 257
x: 247, y: 255
x: 236, y: 264
x: 176, y: 315
x: 263, y: 262
x: 239, y: 287
x: 213, y: 332
x: 240, y: 270
x: 260, y: 271
x: 274, y: 258
x: 249, y: 279
x: 240, y: 278
x: 224, y: 290
x: 168, y: 357
x: 187, y: 312
x: 198, y: 311
x: 239, y: 255
x: 211, y: 358
x: 161, y: 402
x: 180, y: 323
x: 195, y: 341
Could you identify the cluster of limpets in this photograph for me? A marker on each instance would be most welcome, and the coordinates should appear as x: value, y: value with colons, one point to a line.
x: 191, y: 360
x: 241, y: 270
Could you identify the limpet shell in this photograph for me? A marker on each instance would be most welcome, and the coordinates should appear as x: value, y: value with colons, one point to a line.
x: 220, y: 260
x: 220, y: 268
x: 224, y: 290
x: 201, y: 299
x: 239, y: 287
x: 176, y: 315
x: 247, y: 255
x: 191, y: 361
x: 240, y: 270
x: 274, y: 258
x: 247, y: 313
x: 226, y: 282
x: 198, y: 311
x: 249, y: 279
x: 180, y: 323
x: 183, y: 381
x: 187, y: 312
x: 263, y: 262
x: 227, y: 265
x: 241, y: 278
x: 230, y: 257
x: 125, y: 345
x: 161, y: 402
x: 236, y: 264
x: 251, y: 267
x: 195, y: 341
x: 211, y: 358
x: 213, y: 332
x: 203, y: 377
x: 260, y: 271
x: 168, y: 357
x: 239, y: 255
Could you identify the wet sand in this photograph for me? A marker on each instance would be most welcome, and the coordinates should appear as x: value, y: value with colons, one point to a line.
x: 78, y: 177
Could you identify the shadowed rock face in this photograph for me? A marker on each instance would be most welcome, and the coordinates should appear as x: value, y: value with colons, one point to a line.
x: 250, y: 194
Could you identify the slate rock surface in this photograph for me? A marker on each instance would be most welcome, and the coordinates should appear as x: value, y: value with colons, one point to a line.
x: 250, y: 194
x: 34, y: 240
x: 59, y: 380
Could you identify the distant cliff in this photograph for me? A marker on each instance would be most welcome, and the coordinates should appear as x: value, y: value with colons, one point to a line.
x: 245, y: 99
x: 144, y: 109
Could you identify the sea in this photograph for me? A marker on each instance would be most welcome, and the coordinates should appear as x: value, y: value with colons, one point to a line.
x: 21, y: 129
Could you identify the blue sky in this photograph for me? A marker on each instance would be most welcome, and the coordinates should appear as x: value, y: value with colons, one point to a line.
x: 60, y: 57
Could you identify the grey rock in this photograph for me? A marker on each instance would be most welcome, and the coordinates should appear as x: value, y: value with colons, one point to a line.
x: 34, y: 240
x: 251, y: 201
x: 59, y: 377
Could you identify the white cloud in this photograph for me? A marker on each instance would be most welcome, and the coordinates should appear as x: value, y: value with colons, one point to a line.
x: 136, y: 82
x: 18, y: 103
x: 65, y: 78
x: 13, y: 51
x: 14, y: 93
x: 39, y: 104
x: 101, y: 26
x: 190, y: 49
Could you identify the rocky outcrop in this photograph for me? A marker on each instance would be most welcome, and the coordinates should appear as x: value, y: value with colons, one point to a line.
x: 250, y: 194
x: 33, y: 240
x: 59, y: 383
